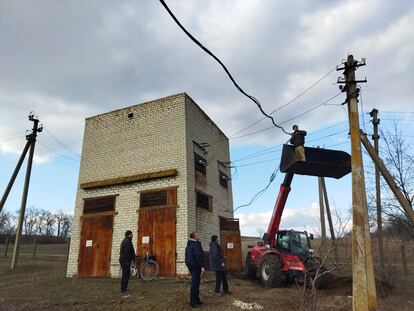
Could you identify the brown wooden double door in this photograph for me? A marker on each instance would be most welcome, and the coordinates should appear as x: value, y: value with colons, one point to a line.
x: 231, y: 244
x: 157, y: 236
x: 95, y: 246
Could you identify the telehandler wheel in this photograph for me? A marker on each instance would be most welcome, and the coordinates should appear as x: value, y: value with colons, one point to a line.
x: 271, y: 273
x: 250, y: 271
x: 322, y: 281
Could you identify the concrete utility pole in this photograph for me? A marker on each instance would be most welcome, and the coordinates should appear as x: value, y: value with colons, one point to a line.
x: 32, y: 141
x: 364, y: 295
x: 322, y: 248
x: 14, y: 175
x: 375, y: 137
x: 405, y: 204
x: 328, y: 213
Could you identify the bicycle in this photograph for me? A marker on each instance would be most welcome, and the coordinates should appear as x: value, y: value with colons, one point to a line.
x: 146, y: 268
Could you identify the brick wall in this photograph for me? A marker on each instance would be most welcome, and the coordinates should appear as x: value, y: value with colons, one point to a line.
x: 158, y: 136
x: 201, y: 129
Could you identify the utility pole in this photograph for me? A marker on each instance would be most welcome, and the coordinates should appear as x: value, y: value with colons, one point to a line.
x: 375, y: 137
x: 405, y: 204
x: 322, y: 248
x: 14, y: 175
x: 31, y: 138
x: 328, y: 213
x: 364, y: 296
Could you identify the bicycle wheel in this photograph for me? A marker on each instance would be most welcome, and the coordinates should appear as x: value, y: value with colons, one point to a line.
x: 149, y: 270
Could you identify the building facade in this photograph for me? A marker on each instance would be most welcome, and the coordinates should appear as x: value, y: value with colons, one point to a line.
x: 159, y: 170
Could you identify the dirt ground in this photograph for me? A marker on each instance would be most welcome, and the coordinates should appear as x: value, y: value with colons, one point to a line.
x: 40, y: 284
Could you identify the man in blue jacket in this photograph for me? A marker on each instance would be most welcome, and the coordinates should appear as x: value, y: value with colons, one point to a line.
x: 216, y: 263
x: 194, y: 259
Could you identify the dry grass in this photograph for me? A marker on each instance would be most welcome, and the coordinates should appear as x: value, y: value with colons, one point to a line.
x: 40, y: 284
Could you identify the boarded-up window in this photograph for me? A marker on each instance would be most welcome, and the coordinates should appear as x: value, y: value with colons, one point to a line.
x: 159, y: 198
x: 204, y: 201
x: 200, y: 164
x: 154, y: 198
x: 223, y: 178
x: 97, y: 205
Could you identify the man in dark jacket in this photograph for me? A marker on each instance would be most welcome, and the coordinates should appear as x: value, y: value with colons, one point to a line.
x: 298, y: 140
x: 126, y: 255
x: 194, y: 259
x: 216, y: 263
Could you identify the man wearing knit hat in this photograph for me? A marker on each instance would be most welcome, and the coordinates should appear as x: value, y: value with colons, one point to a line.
x: 126, y: 255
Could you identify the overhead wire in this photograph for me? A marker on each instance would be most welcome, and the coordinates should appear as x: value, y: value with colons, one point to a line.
x: 290, y: 119
x: 260, y: 193
x: 61, y: 143
x: 288, y: 103
x: 255, y: 100
x: 57, y: 153
x: 11, y: 121
x: 278, y: 146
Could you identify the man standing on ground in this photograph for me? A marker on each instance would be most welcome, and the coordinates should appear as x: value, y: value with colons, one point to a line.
x: 126, y: 255
x: 194, y: 259
x: 216, y: 263
x: 298, y: 140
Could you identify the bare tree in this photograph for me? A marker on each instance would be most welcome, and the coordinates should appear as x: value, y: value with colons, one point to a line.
x: 66, y: 225
x: 321, y: 268
x: 30, y: 220
x: 45, y: 225
x: 7, y: 223
x: 399, y: 159
x: 59, y: 220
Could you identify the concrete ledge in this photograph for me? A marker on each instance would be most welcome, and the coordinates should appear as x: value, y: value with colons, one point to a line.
x: 129, y: 179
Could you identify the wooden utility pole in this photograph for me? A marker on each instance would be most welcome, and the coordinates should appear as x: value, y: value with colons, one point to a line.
x: 375, y: 137
x: 34, y: 247
x: 364, y: 295
x: 405, y: 204
x: 7, y: 246
x: 14, y: 175
x: 328, y: 213
x: 32, y: 139
x: 404, y: 259
x: 322, y: 248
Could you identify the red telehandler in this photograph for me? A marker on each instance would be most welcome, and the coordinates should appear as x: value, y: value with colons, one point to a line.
x: 284, y: 255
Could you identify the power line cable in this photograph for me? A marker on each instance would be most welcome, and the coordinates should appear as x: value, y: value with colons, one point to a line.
x: 54, y: 151
x: 260, y: 193
x: 61, y: 143
x: 288, y: 103
x: 255, y: 100
x: 409, y: 112
x: 310, y: 110
x: 362, y: 109
x: 11, y: 121
x: 290, y: 119
x: 278, y: 146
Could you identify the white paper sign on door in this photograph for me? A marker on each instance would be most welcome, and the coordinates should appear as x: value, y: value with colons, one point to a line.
x: 230, y: 245
x: 145, y: 239
x: 89, y: 243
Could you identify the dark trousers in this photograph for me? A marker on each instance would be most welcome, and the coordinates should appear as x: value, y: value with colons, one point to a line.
x: 126, y: 272
x: 195, y: 286
x: 221, y: 277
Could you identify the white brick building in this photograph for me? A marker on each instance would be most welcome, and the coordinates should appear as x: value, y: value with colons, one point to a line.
x: 155, y: 169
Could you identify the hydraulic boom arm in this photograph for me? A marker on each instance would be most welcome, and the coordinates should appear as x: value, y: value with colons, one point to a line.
x: 278, y: 210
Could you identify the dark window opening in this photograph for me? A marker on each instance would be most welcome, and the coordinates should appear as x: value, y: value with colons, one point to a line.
x: 154, y: 198
x: 97, y: 205
x: 130, y: 115
x: 223, y: 179
x: 204, y: 201
x: 200, y: 164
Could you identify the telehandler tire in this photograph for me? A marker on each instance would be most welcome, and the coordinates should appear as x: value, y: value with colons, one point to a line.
x: 271, y: 274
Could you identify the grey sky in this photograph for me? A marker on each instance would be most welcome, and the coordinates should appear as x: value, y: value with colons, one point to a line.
x: 69, y: 60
